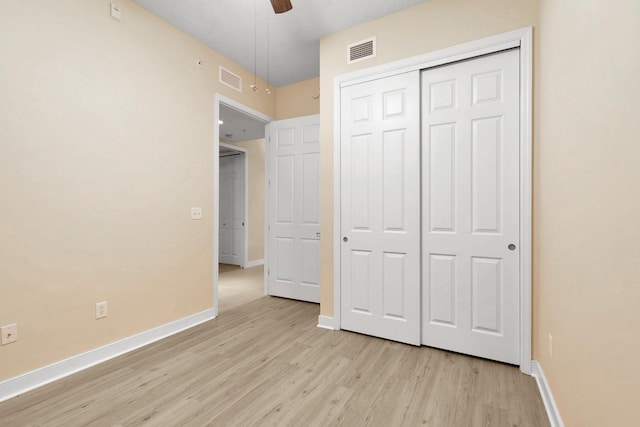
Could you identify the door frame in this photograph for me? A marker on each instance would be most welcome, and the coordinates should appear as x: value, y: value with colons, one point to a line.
x: 523, y: 39
x: 244, y: 162
x: 217, y: 100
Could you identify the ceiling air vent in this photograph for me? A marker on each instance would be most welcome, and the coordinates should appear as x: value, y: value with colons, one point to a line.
x: 361, y: 50
x: 230, y: 79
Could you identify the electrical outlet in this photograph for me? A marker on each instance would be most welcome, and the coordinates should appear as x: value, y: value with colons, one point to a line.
x: 550, y: 346
x: 9, y: 334
x: 101, y: 309
x: 196, y: 213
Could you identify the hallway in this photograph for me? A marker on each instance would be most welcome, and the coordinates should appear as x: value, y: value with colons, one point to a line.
x: 239, y: 286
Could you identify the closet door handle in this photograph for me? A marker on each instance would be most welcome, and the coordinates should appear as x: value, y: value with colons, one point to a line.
x: 345, y: 239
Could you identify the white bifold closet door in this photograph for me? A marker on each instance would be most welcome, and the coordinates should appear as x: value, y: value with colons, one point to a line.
x: 231, y: 210
x: 294, y: 209
x: 470, y: 207
x: 380, y: 208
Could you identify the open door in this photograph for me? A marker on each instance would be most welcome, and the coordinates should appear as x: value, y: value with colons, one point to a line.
x: 293, y: 222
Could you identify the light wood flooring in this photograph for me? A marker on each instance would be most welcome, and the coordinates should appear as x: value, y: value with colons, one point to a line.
x: 238, y: 286
x: 265, y: 363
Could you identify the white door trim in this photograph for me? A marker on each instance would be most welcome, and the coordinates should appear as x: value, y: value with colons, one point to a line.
x: 244, y: 159
x: 217, y: 100
x: 267, y: 172
x: 521, y: 38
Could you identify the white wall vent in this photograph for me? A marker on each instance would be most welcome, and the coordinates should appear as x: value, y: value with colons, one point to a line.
x: 230, y: 79
x: 359, y: 51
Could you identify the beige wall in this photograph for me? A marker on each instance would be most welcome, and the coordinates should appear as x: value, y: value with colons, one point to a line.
x: 297, y: 99
x: 105, y: 141
x: 106, y: 132
x: 256, y: 196
x: 430, y: 26
x: 587, y: 209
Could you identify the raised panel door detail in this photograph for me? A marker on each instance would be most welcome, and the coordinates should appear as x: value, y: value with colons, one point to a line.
x: 442, y: 95
x: 226, y: 188
x: 285, y: 166
x: 361, y: 109
x: 360, y: 274
x: 393, y: 104
x: 470, y: 276
x: 442, y: 177
x: 442, y: 289
x: 393, y: 148
x: 293, y: 229
x: 360, y: 188
x: 225, y: 243
x: 310, y: 257
x: 379, y: 148
x: 311, y: 188
x: 225, y: 209
x: 486, y: 291
x: 310, y: 134
x: 486, y: 178
x: 230, y: 210
x: 487, y: 87
x: 285, y: 252
x: 394, y: 284
x: 235, y: 242
x: 285, y: 137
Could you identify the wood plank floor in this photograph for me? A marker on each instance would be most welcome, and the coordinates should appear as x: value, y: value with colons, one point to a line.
x: 238, y: 286
x: 265, y: 363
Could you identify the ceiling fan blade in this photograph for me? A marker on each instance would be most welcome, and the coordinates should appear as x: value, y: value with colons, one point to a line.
x: 281, y: 6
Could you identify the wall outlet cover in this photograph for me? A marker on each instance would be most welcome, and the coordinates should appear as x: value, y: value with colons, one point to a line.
x: 196, y: 213
x: 9, y: 334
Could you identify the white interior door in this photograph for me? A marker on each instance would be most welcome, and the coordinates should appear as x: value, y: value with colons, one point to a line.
x: 294, y: 209
x: 231, y: 210
x: 380, y: 208
x: 470, y: 207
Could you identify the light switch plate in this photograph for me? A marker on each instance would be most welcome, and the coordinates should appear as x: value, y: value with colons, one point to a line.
x: 9, y: 334
x: 101, y: 309
x: 115, y: 12
x: 196, y: 213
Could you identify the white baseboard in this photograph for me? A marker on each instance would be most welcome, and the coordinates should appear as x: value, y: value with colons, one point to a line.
x: 255, y: 263
x: 547, y: 396
x: 45, y: 375
x: 326, y: 322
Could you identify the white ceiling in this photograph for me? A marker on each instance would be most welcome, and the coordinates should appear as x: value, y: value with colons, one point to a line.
x: 292, y: 39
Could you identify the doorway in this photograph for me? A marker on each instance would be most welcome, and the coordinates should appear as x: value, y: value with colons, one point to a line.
x: 238, y: 194
x: 232, y: 210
